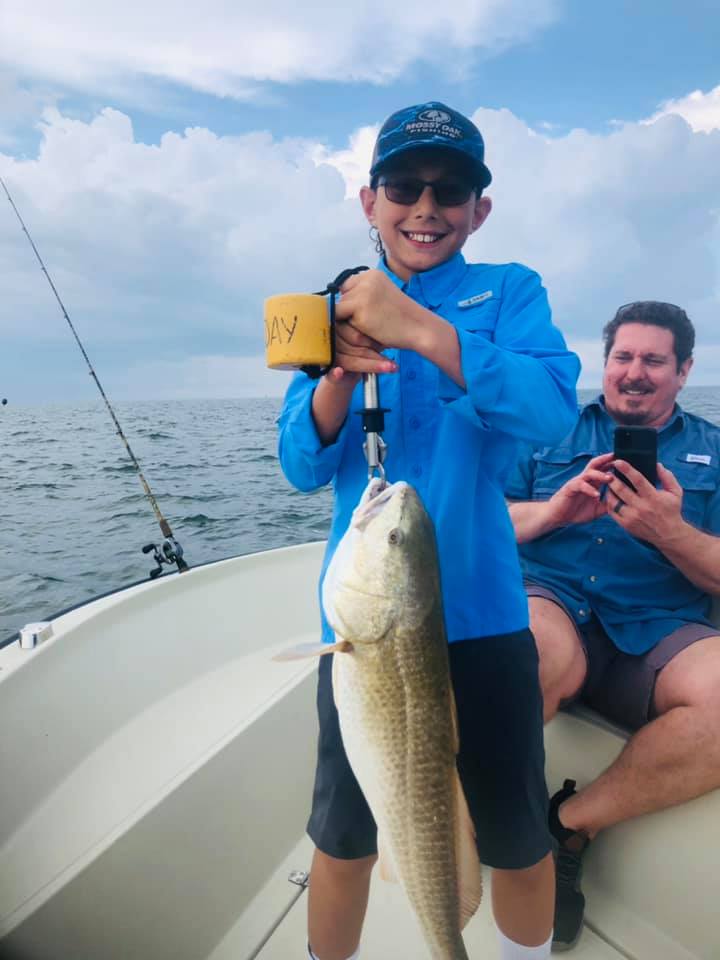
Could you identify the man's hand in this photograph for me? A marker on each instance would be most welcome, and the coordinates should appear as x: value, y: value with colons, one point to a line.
x: 647, y: 513
x: 578, y: 501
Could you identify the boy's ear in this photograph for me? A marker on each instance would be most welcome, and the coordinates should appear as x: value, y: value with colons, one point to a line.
x: 367, y: 199
x: 483, y: 206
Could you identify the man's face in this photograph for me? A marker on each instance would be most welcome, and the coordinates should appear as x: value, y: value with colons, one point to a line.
x: 424, y: 234
x: 641, y: 378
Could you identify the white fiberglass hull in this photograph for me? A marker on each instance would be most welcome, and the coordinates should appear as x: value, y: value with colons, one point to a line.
x: 156, y: 777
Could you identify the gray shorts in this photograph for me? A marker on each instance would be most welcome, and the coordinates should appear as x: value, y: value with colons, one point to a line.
x: 618, y: 685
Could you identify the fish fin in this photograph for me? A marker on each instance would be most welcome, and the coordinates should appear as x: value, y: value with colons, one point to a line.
x: 303, y: 650
x: 385, y: 864
x: 469, y: 871
x: 454, y: 721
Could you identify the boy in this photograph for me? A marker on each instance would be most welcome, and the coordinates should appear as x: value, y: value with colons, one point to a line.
x: 469, y: 366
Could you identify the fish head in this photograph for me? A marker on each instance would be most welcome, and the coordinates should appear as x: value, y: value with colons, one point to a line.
x: 384, y: 570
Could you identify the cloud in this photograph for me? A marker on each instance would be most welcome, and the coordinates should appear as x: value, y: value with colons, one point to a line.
x: 163, y: 254
x: 184, y: 238
x: 606, y: 218
x: 226, y: 49
x: 19, y: 108
x: 700, y: 110
x: 352, y: 163
x: 590, y: 352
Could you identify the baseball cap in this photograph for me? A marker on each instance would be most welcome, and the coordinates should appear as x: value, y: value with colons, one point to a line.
x: 434, y: 125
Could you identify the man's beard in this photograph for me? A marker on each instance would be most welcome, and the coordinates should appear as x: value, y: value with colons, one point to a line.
x: 631, y: 418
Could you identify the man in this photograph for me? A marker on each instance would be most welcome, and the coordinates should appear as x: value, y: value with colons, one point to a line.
x: 620, y: 584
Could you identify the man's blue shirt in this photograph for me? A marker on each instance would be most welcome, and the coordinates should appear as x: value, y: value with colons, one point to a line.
x: 638, y: 595
x: 454, y: 445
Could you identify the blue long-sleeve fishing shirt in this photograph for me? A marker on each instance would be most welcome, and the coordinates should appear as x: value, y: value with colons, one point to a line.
x: 599, y: 568
x: 455, y: 446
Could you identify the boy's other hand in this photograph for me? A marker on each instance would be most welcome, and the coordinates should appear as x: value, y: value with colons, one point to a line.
x: 371, y: 304
x: 357, y: 352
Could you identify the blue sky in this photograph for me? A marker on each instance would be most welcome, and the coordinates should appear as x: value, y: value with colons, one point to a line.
x: 176, y: 167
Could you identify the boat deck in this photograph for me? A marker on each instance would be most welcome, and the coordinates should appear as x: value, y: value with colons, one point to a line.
x: 162, y: 774
x: 274, y: 925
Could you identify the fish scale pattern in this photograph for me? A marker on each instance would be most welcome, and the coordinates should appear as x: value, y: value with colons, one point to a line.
x: 395, y: 706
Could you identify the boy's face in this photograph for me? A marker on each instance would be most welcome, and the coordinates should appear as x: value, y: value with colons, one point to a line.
x: 423, y: 234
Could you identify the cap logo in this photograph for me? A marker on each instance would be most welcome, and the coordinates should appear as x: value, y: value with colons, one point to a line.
x: 435, y: 116
x: 433, y: 123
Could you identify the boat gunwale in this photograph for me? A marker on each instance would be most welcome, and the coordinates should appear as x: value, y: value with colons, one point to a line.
x: 13, y: 638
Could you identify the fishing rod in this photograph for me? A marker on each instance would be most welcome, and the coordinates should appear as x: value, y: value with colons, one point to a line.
x: 169, y: 550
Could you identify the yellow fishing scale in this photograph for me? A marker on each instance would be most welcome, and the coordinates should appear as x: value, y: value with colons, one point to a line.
x: 300, y: 335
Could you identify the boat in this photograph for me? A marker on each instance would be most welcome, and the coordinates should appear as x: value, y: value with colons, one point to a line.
x: 156, y: 769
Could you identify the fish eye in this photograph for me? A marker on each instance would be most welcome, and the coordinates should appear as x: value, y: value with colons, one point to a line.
x: 395, y: 536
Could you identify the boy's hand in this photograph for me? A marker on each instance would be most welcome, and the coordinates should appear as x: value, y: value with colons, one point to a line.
x: 371, y: 304
x: 356, y: 353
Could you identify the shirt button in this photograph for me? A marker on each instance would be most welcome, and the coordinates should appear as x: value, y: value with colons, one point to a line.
x: 416, y: 471
x: 581, y: 612
x: 593, y: 578
x: 414, y: 422
x: 411, y: 375
x: 600, y: 540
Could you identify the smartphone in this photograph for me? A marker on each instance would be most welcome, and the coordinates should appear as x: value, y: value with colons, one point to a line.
x: 638, y: 447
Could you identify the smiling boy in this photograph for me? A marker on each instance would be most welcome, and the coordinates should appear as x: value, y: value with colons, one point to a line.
x: 470, y: 365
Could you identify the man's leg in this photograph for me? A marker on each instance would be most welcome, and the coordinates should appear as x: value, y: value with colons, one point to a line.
x: 337, y: 901
x: 675, y: 758
x: 562, y: 660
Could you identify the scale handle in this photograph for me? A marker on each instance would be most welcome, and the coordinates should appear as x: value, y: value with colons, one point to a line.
x: 371, y: 420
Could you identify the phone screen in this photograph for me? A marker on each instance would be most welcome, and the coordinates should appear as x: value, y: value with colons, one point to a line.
x: 637, y: 446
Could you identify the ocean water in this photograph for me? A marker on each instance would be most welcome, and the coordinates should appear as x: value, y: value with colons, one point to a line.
x: 75, y: 516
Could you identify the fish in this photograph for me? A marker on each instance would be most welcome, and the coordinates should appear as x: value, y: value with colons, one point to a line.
x: 391, y: 683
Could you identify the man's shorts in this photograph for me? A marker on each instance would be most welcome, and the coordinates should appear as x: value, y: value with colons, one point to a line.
x: 501, y: 760
x: 620, y: 686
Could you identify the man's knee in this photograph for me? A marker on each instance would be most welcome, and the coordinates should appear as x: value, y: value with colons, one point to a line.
x: 692, y: 679
x: 562, y: 660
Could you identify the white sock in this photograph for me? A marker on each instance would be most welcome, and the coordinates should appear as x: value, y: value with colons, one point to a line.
x: 509, y: 950
x: 353, y: 957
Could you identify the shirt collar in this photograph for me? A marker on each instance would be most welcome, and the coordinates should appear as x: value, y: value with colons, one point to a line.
x: 673, y: 425
x: 434, y: 285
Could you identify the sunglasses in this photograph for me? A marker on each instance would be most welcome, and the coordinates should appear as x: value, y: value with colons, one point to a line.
x: 408, y: 190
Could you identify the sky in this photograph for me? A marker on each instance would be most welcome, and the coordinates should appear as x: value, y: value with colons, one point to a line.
x: 177, y: 166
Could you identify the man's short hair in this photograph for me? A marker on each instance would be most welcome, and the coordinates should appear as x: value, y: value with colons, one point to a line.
x: 658, y: 314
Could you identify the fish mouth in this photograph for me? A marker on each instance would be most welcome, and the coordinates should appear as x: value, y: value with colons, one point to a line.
x: 374, y: 501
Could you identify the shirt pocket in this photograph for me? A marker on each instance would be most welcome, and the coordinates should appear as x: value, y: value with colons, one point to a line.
x: 480, y: 318
x: 554, y: 467
x: 699, y: 482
